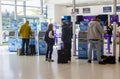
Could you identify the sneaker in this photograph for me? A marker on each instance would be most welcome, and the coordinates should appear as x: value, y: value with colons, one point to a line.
x: 89, y: 61
x: 102, y: 62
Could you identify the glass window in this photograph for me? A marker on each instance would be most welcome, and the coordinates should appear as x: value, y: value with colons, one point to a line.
x: 32, y: 11
x: 35, y: 3
x: 7, y: 2
x: 7, y: 16
x: 20, y: 3
x: 20, y: 11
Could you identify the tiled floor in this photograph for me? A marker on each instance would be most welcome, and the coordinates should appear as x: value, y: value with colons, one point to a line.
x: 35, y: 67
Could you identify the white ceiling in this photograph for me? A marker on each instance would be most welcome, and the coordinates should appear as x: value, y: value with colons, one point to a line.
x: 81, y: 2
x: 78, y: 2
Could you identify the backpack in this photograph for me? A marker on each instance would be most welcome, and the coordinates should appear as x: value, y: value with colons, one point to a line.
x: 46, y: 38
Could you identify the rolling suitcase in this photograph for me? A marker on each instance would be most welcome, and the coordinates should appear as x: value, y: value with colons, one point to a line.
x: 62, y: 57
x: 32, y: 50
x: 19, y: 51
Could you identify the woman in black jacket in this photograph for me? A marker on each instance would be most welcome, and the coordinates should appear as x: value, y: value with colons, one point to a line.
x: 109, y: 32
x: 50, y: 42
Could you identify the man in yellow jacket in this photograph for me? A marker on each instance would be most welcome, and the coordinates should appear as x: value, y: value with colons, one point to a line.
x: 25, y: 32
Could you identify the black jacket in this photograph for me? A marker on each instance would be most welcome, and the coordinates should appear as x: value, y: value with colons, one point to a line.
x: 109, y: 30
x: 47, y: 39
x: 66, y: 34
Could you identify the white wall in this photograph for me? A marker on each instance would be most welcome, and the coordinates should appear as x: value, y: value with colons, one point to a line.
x: 94, y: 10
x: 58, y: 11
x: 51, y: 12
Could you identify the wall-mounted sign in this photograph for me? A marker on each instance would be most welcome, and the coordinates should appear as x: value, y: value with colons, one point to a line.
x: 76, y: 11
x: 114, y: 18
x: 118, y: 8
x: 86, y: 10
x: 107, y: 9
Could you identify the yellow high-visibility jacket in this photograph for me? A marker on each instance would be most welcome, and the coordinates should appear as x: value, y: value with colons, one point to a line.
x: 25, y: 31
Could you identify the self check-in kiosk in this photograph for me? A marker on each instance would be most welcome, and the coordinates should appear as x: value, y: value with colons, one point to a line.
x: 82, y: 45
x: 12, y: 42
x: 42, y: 44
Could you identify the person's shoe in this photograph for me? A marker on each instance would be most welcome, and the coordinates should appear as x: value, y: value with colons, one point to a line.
x: 22, y: 54
x: 102, y: 62
x: 50, y: 60
x: 110, y: 42
x: 89, y: 61
x: 46, y: 59
x: 27, y: 54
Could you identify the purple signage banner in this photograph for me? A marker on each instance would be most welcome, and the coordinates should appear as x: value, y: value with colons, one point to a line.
x: 86, y: 10
x: 107, y: 9
x: 118, y: 8
x: 114, y: 18
x: 88, y: 18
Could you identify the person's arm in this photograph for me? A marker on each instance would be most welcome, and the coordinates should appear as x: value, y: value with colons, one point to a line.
x: 30, y: 31
x: 63, y: 34
x: 20, y: 30
x: 51, y: 35
x: 99, y: 28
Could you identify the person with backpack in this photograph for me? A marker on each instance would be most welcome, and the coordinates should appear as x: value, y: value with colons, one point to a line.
x: 49, y: 38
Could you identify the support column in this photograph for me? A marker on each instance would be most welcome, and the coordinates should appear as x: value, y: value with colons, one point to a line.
x: 24, y: 9
x: 15, y: 15
x: 74, y: 36
x: 0, y: 24
x: 41, y: 11
x: 114, y: 28
x: 39, y: 27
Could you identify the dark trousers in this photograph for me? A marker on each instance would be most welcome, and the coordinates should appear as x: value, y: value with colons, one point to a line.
x: 25, y: 46
x: 49, y: 51
x: 67, y: 49
x: 110, y: 39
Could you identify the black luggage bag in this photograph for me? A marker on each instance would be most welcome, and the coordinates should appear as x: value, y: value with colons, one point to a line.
x: 32, y: 50
x: 109, y: 59
x: 62, y: 57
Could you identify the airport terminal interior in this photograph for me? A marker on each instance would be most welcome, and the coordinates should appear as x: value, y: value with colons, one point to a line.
x: 40, y: 13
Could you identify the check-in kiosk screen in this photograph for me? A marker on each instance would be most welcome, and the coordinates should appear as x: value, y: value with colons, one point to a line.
x: 41, y: 34
x: 84, y: 25
x: 12, y: 33
x: 83, y: 35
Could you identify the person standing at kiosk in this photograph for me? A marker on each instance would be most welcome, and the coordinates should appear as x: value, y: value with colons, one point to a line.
x: 67, y: 38
x: 25, y: 32
x: 94, y: 36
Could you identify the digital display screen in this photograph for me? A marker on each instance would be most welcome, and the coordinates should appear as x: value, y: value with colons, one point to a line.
x: 84, y: 25
x: 12, y: 33
x: 41, y: 34
x: 82, y: 35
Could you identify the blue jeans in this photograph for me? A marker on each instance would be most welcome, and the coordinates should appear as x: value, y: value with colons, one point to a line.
x: 25, y: 46
x: 98, y: 48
